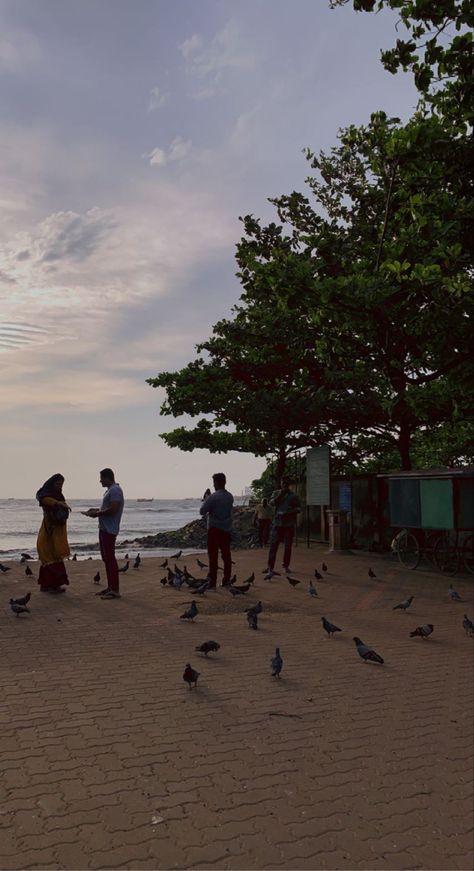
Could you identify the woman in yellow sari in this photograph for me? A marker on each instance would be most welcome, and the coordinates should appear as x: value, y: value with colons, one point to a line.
x: 52, y: 544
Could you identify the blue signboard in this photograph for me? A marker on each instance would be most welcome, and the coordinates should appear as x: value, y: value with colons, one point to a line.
x: 345, y: 497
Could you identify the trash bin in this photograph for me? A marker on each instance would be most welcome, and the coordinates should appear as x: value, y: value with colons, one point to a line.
x: 338, y: 529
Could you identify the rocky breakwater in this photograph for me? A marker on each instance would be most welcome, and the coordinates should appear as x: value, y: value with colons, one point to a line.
x: 194, y: 534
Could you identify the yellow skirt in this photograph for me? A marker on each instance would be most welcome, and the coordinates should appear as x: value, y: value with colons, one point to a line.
x: 52, y: 544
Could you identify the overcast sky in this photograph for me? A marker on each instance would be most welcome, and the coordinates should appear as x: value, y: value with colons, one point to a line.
x: 133, y: 133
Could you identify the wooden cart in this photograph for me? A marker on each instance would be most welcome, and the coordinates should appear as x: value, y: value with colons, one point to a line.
x: 434, y: 512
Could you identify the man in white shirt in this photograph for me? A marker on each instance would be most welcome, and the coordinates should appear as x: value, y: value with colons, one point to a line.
x: 109, y: 515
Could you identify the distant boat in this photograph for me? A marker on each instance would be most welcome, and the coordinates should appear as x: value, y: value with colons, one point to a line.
x: 144, y: 500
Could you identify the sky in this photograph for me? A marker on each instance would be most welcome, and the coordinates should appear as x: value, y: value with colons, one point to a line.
x: 132, y: 137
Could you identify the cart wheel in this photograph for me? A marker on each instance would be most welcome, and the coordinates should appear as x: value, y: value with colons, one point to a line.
x: 467, y: 554
x: 429, y: 548
x: 408, y: 550
x: 446, y: 554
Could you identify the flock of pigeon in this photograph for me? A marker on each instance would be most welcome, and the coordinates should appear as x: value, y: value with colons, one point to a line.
x: 176, y: 578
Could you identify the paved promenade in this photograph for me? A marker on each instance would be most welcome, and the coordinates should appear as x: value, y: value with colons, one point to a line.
x: 108, y: 761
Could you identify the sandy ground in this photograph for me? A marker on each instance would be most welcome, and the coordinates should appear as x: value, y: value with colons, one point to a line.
x: 109, y: 761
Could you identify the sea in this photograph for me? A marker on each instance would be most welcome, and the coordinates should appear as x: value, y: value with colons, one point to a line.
x: 20, y: 520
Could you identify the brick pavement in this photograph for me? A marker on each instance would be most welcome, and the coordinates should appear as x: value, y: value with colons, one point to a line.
x: 108, y: 761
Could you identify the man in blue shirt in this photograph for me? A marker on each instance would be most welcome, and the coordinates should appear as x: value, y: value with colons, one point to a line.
x: 109, y: 514
x: 218, y: 508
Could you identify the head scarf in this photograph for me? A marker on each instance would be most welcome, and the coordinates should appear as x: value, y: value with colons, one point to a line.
x: 48, y: 489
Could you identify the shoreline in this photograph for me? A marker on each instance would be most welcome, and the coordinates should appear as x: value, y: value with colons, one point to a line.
x: 192, y: 537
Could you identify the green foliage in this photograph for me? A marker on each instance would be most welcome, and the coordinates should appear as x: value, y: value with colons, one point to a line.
x: 439, y: 51
x: 354, y: 327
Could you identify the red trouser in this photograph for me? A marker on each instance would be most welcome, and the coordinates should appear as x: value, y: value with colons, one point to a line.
x: 263, y: 531
x: 217, y: 540
x: 107, y: 552
x: 285, y: 534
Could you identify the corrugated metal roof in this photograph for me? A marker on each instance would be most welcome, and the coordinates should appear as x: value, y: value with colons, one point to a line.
x: 431, y: 473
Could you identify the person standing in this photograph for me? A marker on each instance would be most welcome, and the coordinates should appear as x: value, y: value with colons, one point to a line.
x: 287, y: 505
x: 218, y: 508
x: 109, y: 515
x: 52, y: 544
x: 262, y: 520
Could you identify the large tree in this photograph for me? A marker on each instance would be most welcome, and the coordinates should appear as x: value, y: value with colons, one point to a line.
x: 388, y: 233
x: 255, y: 386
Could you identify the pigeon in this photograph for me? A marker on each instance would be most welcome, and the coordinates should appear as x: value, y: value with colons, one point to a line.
x: 201, y: 564
x: 468, y: 625
x: 163, y: 565
x: 252, y: 620
x: 242, y: 588
x: 371, y: 573
x: 269, y: 574
x: 402, y: 606
x: 178, y: 581
x: 453, y: 594
x: 234, y: 591
x: 329, y: 627
x: 422, y: 631
x: 191, y: 612
x: 28, y: 572
x: 293, y: 582
x: 126, y: 556
x: 125, y: 567
x: 324, y: 567
x: 208, y: 647
x: 190, y: 676
x: 255, y: 609
x: 4, y: 568
x: 18, y: 609
x: 194, y: 583
x: 251, y: 579
x: 170, y: 574
x: 177, y: 570
x: 202, y: 588
x: 26, y: 556
x: 176, y: 555
x: 318, y: 575
x: 187, y: 576
x: 23, y: 600
x: 312, y: 590
x: 164, y: 581
x: 136, y: 564
x: 97, y: 578
x: 366, y: 653
x: 276, y: 663
x: 74, y: 558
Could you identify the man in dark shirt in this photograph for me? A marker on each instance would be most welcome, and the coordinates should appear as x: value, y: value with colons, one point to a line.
x: 287, y: 505
x: 218, y: 508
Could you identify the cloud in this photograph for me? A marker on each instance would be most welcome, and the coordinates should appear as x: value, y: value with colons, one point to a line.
x: 69, y: 236
x: 190, y: 46
x: 178, y: 150
x: 246, y: 132
x: 157, y: 99
x: 207, y: 63
x: 18, y: 50
x: 17, y: 335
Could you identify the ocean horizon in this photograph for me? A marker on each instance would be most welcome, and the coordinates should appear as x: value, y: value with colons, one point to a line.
x: 20, y: 520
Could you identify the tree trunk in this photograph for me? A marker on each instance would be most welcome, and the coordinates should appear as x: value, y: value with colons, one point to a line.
x: 280, y: 467
x: 404, y: 447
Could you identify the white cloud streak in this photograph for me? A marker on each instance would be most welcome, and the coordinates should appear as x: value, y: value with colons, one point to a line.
x: 157, y: 99
x: 208, y: 62
x: 178, y: 150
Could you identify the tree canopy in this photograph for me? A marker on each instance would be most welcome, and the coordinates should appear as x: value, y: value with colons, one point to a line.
x: 354, y: 325
x: 439, y: 51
